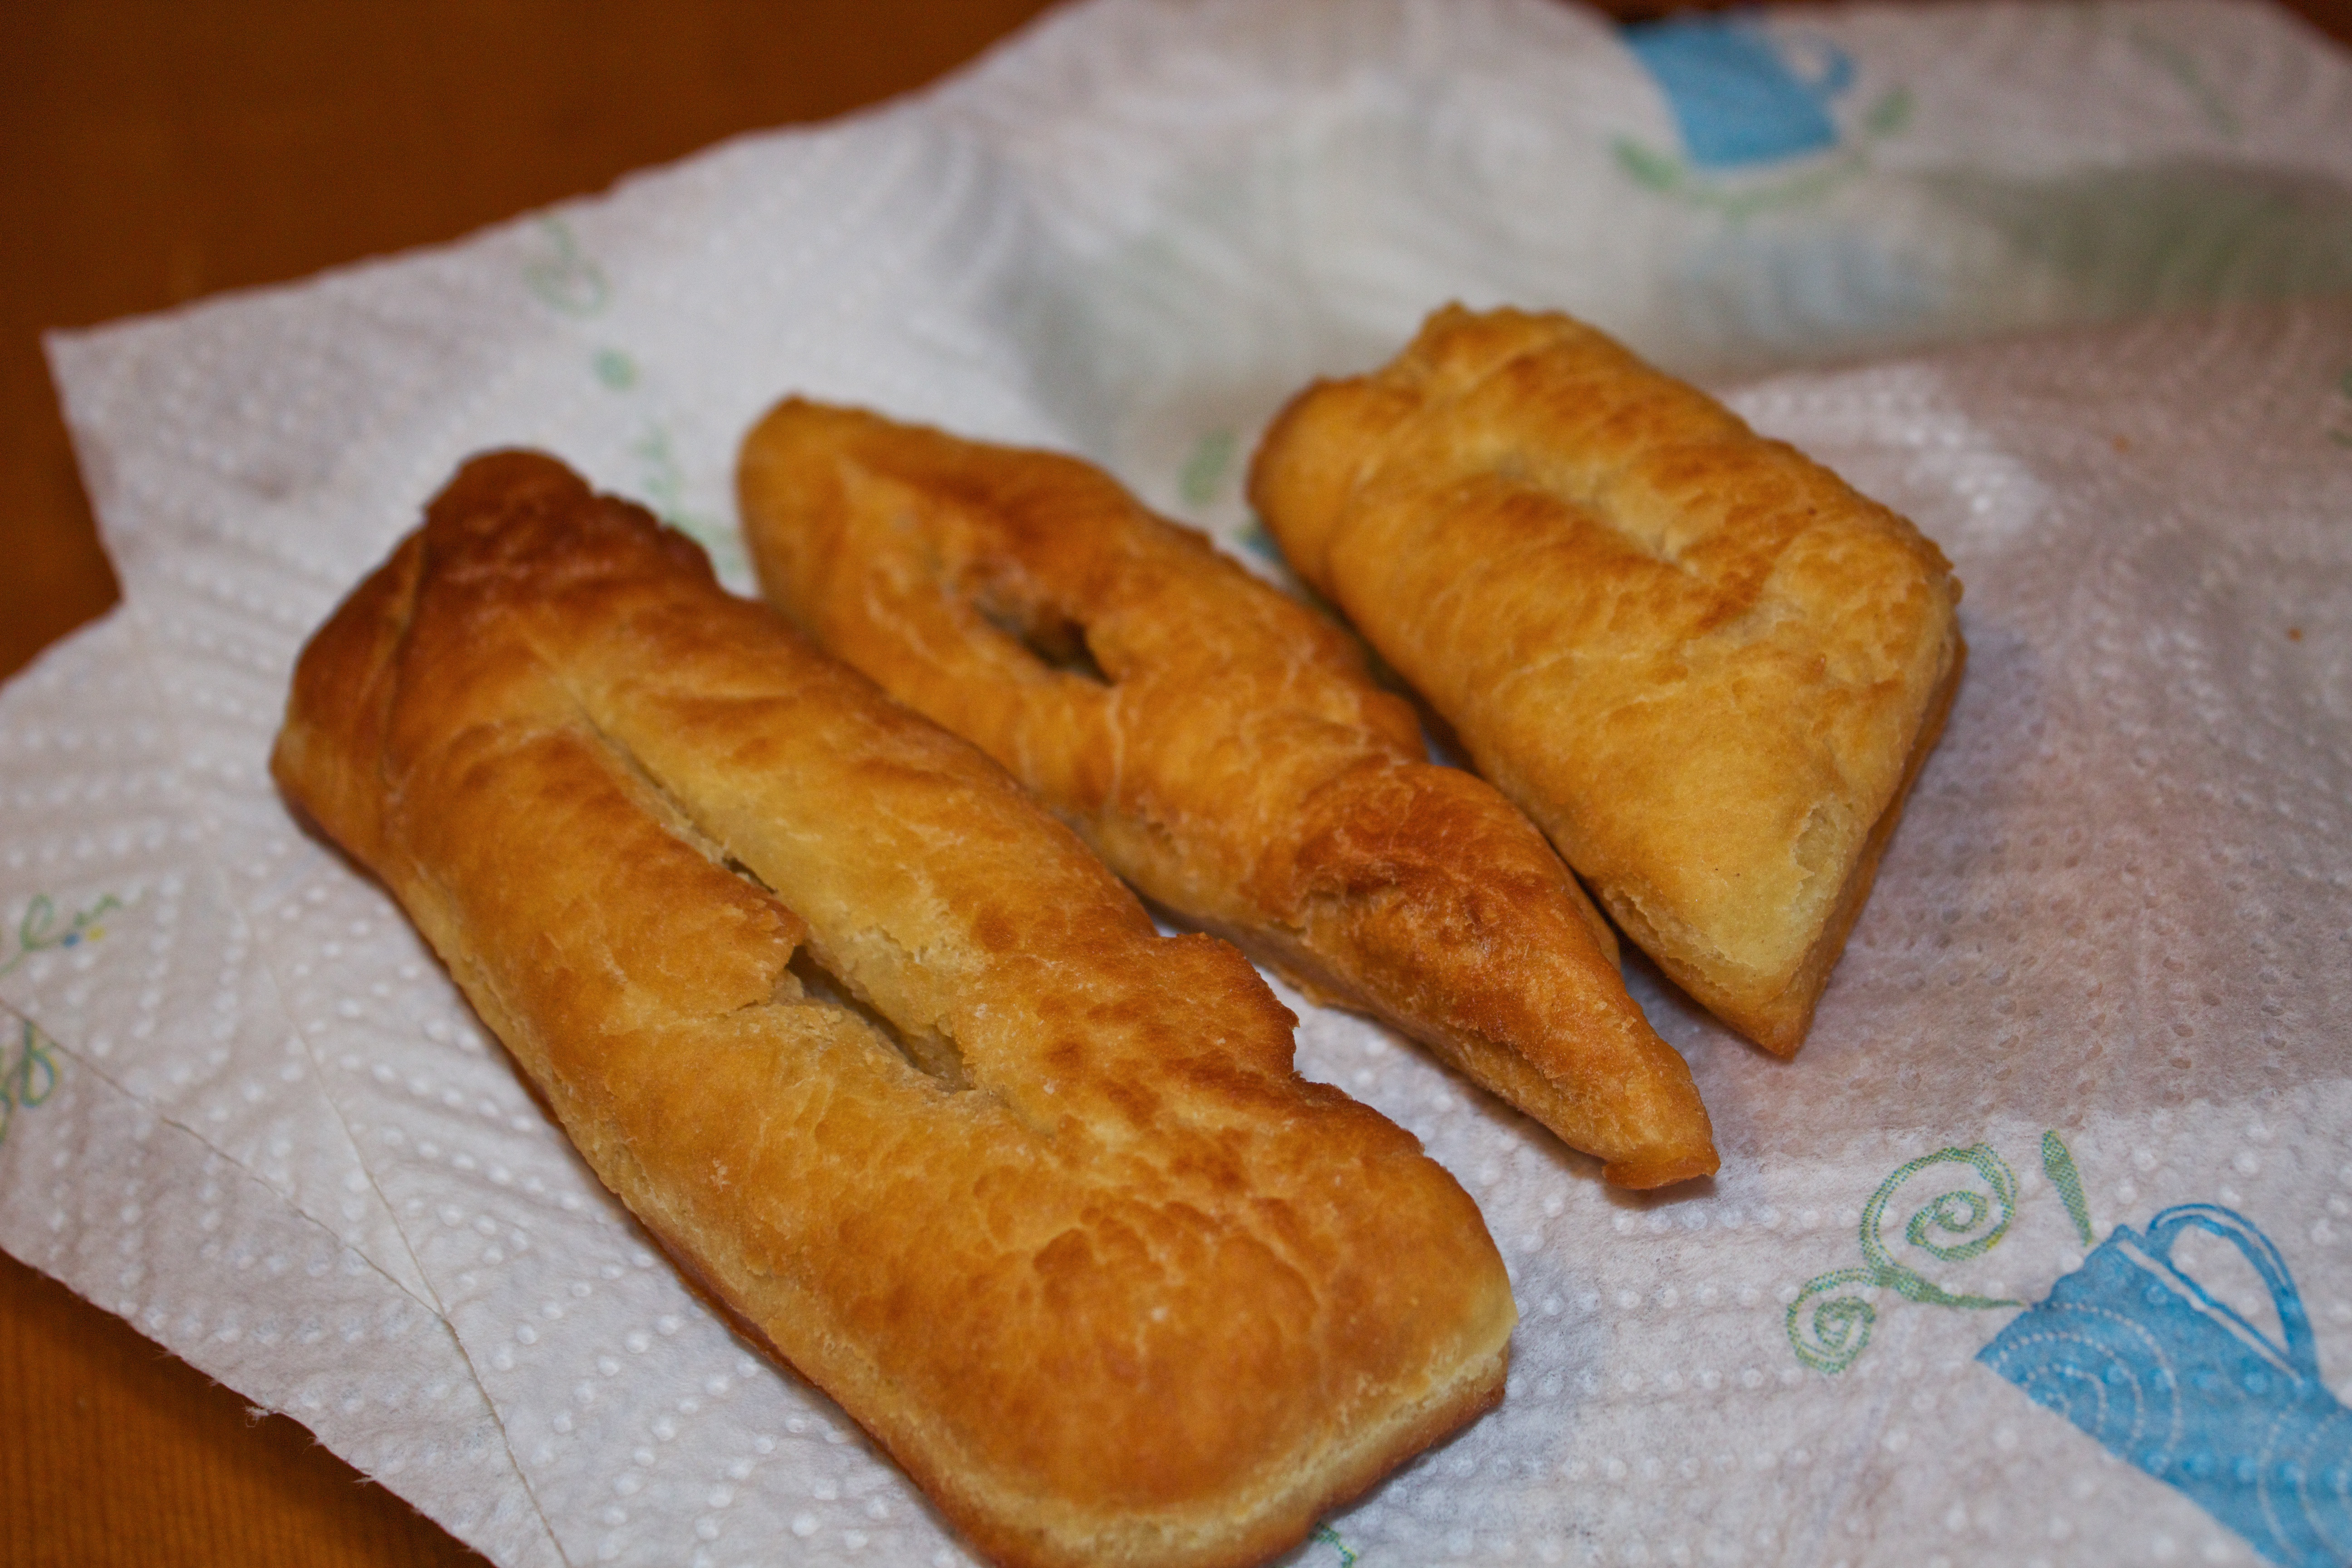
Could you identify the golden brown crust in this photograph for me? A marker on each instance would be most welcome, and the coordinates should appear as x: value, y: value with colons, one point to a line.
x: 1225, y: 750
x: 1698, y: 659
x: 1112, y: 1283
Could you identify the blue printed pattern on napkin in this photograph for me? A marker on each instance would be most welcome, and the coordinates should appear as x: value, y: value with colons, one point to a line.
x: 2128, y: 1347
x: 1737, y: 95
x: 2138, y: 1355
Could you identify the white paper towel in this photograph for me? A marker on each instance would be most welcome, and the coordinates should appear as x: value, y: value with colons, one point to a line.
x: 252, y: 1115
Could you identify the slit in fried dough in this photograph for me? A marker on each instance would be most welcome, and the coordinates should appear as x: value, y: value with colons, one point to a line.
x: 928, y: 1051
x: 805, y: 980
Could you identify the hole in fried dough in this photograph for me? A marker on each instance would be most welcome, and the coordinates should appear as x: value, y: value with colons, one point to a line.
x: 1053, y: 639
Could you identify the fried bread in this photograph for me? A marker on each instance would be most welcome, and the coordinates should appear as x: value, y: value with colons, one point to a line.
x: 1699, y: 661
x: 881, y: 1053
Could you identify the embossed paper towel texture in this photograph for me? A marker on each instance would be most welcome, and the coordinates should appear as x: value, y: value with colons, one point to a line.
x: 2108, y: 917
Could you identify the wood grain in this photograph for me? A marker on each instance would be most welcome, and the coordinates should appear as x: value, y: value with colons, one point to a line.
x: 151, y: 151
x: 117, y: 1453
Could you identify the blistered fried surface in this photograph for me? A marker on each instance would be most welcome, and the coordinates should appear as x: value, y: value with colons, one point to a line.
x: 1225, y: 750
x: 881, y: 1053
x: 1701, y: 661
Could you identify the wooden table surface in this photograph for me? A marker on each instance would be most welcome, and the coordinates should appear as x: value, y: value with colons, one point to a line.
x: 153, y: 151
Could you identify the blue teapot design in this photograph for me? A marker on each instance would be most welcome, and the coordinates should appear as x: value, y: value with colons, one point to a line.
x: 2127, y: 1347
x: 2135, y: 1353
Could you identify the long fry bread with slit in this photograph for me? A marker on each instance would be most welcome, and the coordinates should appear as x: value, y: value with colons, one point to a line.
x: 1698, y: 659
x: 1078, y: 1246
x: 1225, y: 750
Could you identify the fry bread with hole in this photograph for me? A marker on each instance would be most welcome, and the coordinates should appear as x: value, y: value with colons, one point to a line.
x: 1225, y: 750
x: 1707, y: 668
x: 1111, y: 1282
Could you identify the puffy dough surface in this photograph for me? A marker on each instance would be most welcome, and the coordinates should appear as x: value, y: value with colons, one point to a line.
x: 1704, y: 664
x: 881, y: 1053
x: 1224, y: 749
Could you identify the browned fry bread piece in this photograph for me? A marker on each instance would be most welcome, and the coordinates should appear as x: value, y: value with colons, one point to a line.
x: 884, y: 1057
x: 1699, y: 661
x: 1224, y: 748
